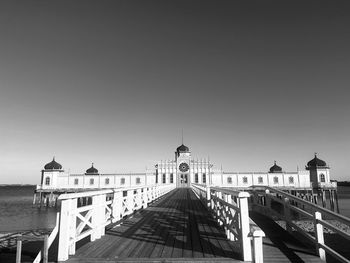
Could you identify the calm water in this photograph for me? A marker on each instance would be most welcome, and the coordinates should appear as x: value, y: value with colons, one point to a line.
x: 17, y: 213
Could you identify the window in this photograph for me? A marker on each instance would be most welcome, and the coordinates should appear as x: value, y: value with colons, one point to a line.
x: 122, y: 181
x: 157, y: 176
x: 196, y: 178
x: 291, y: 180
x: 171, y: 178
x: 47, y: 181
x: 204, y: 179
x: 229, y: 180
x: 245, y: 179
x: 260, y: 180
x: 91, y: 181
x: 322, y: 178
x: 138, y: 180
x: 107, y: 181
x: 164, y: 178
x: 76, y: 181
x: 275, y: 180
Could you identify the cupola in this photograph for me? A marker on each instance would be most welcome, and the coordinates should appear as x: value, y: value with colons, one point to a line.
x: 182, y: 148
x: 53, y: 165
x: 275, y: 168
x: 92, y: 170
x: 315, y: 163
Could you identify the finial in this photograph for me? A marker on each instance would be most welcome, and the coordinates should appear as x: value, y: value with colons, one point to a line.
x: 315, y: 154
x: 274, y: 162
x: 92, y: 164
x: 182, y: 136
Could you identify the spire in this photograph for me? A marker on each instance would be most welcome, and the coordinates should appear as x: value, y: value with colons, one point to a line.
x: 182, y: 136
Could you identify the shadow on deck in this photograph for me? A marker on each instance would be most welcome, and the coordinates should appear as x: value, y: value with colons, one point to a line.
x: 176, y: 227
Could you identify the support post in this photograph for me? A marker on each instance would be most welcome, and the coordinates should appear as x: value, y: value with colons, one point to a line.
x: 208, y: 197
x: 64, y: 229
x: 117, y: 205
x: 19, y: 249
x: 72, y: 226
x: 319, y: 235
x: 244, y: 222
x: 258, y: 255
x: 46, y: 249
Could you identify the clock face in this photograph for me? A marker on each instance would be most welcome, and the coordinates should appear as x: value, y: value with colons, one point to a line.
x: 183, y: 167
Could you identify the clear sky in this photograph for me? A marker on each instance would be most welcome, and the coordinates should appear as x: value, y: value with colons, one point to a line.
x: 115, y: 82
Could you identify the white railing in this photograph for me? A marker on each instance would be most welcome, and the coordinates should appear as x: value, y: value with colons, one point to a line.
x: 101, y: 208
x: 230, y: 209
x: 265, y: 201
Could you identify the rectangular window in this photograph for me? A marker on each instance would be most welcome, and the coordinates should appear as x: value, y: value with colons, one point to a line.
x: 91, y: 181
x: 164, y: 178
x: 138, y: 180
x: 171, y: 178
x: 76, y: 181
x: 275, y: 180
x: 260, y: 180
x: 196, y: 178
x: 291, y: 180
x: 122, y: 181
x: 245, y: 179
x: 107, y: 181
x: 157, y: 176
x: 229, y: 180
x: 204, y: 180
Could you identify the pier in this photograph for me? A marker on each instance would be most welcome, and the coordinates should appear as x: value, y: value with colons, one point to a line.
x: 198, y: 223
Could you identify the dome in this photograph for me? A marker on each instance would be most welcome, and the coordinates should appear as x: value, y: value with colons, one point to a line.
x: 315, y: 162
x: 182, y: 148
x: 92, y: 170
x: 53, y: 165
x: 275, y: 169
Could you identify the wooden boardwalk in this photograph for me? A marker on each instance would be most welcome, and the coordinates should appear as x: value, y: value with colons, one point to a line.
x: 178, y: 228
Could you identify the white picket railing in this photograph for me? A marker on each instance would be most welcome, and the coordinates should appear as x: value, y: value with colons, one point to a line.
x: 103, y: 207
x: 230, y: 209
x: 263, y: 202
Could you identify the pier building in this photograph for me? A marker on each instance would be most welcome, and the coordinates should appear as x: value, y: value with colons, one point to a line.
x: 183, y: 171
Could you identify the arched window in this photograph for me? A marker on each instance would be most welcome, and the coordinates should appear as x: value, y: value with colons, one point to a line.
x: 260, y: 180
x: 138, y: 180
x: 76, y: 181
x: 229, y: 180
x: 291, y: 180
x: 245, y: 179
x: 122, y: 181
x: 322, y: 178
x: 107, y: 181
x: 47, y: 181
x: 91, y: 181
x: 275, y: 180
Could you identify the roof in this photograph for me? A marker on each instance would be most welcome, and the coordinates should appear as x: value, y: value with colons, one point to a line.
x: 53, y: 165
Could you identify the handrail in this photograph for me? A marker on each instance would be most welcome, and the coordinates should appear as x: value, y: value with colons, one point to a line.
x: 104, y: 207
x: 230, y: 209
x: 314, y: 212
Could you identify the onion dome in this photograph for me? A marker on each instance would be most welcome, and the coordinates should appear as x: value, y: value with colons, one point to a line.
x: 182, y: 148
x: 275, y: 169
x: 315, y: 162
x: 53, y: 165
x: 92, y: 170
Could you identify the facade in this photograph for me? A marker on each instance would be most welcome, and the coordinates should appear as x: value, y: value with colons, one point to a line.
x: 183, y: 171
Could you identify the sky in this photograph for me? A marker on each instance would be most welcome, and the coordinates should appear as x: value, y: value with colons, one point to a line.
x: 116, y: 82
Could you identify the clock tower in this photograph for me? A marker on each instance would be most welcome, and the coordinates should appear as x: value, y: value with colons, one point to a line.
x: 182, y: 160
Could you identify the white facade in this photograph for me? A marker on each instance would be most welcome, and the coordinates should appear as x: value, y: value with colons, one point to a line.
x: 185, y: 170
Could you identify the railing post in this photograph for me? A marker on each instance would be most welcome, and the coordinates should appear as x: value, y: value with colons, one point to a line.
x: 98, y: 214
x: 287, y: 214
x: 46, y: 249
x: 144, y: 197
x: 244, y: 221
x: 72, y: 226
x: 138, y: 198
x: 19, y: 249
x: 319, y: 235
x: 258, y: 255
x: 64, y: 230
x: 130, y: 201
x: 117, y: 205
x: 208, y: 197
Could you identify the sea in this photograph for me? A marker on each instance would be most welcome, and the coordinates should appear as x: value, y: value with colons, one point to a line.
x: 18, y: 214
